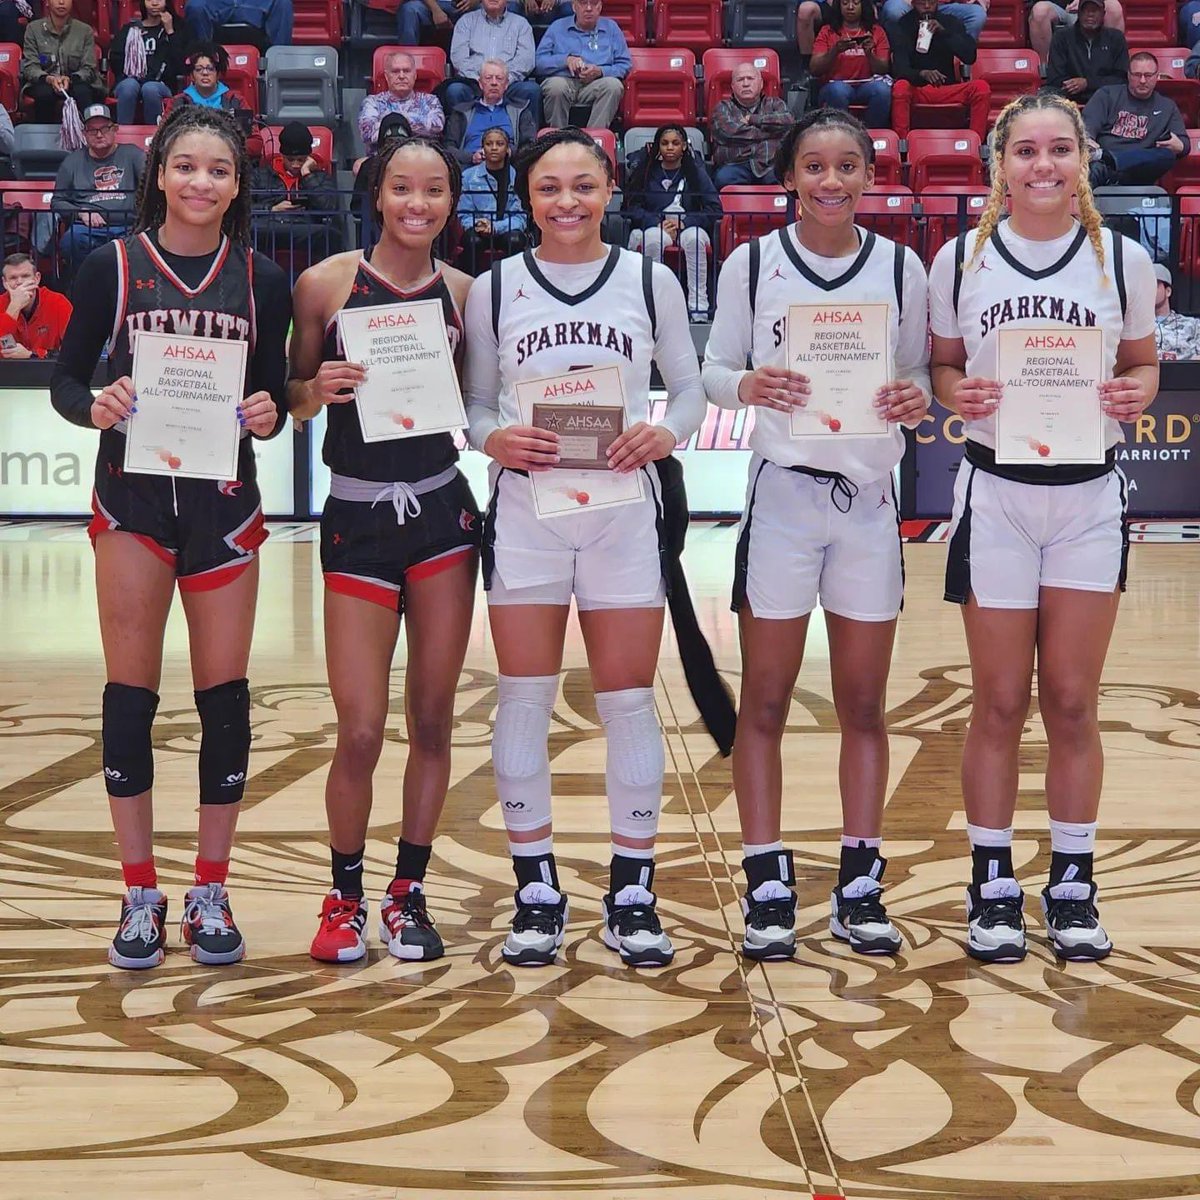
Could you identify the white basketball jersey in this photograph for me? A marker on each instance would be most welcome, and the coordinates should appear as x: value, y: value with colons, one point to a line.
x: 875, y: 275
x: 998, y: 289
x: 544, y: 331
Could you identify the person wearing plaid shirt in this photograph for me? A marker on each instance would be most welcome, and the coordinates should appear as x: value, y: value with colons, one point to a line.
x: 746, y: 130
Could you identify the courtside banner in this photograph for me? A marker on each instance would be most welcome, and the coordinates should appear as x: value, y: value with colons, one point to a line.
x: 1160, y: 458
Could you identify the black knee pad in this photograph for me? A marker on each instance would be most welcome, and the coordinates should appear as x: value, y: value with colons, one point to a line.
x: 127, y: 715
x: 224, y: 741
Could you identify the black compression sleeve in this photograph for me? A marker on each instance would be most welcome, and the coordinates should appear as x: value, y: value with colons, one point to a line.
x: 95, y: 308
x: 273, y: 309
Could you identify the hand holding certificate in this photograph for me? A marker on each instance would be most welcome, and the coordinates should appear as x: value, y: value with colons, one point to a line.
x: 845, y: 351
x: 411, y: 386
x: 1051, y: 410
x: 586, y: 409
x: 188, y: 391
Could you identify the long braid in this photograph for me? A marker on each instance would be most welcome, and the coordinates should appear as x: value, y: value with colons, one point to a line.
x: 1089, y: 214
x: 184, y: 119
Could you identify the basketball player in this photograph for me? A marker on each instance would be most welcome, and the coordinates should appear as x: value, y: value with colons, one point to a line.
x: 399, y: 537
x: 1037, y: 554
x: 820, y: 523
x: 575, y: 303
x: 186, y: 269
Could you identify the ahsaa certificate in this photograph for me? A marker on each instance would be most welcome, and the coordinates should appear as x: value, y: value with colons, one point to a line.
x: 188, y: 391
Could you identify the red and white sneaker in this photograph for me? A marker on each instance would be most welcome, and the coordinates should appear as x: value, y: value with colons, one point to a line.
x: 340, y: 934
x: 405, y: 925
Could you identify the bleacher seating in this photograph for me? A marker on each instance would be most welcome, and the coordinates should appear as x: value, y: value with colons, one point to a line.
x: 889, y: 211
x: 944, y: 156
x: 888, y: 166
x: 1173, y: 83
x: 751, y: 212
x: 693, y: 24
x: 1009, y: 73
x: 36, y: 151
x: 1186, y: 171
x: 763, y: 23
x: 135, y: 135
x: 1150, y: 23
x: 1005, y: 27
x: 301, y: 85
x: 241, y: 76
x: 317, y: 23
x: 1189, y: 221
x: 940, y: 206
x: 630, y: 15
x: 661, y: 87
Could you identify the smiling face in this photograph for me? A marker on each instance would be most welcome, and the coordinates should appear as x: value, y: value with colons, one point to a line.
x: 415, y: 197
x: 568, y: 193
x: 829, y: 173
x: 1041, y: 161
x: 199, y: 178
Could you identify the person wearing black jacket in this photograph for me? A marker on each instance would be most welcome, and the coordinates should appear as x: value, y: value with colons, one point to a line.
x: 926, y: 48
x: 1086, y: 55
x: 299, y: 197
x: 458, y: 122
x: 147, y: 71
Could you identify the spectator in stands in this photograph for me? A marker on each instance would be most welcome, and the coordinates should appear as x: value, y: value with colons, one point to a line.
x: 931, y: 75
x: 146, y: 57
x: 414, y: 15
x: 541, y: 13
x: 32, y: 324
x: 672, y: 202
x: 12, y: 28
x: 59, y: 60
x: 467, y: 123
x: 972, y: 13
x: 1045, y: 17
x: 393, y: 125
x: 7, y: 137
x: 489, y: 209
x: 492, y: 32
x: 291, y: 187
x: 1189, y: 24
x: 851, y: 57
x: 206, y: 64
x: 1177, y: 335
x: 1136, y: 134
x: 746, y: 130
x: 1085, y: 56
x: 422, y: 110
x: 96, y: 187
x: 273, y: 17
x: 583, y: 60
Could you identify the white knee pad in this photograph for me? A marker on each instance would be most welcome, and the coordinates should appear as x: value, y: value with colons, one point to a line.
x: 520, y: 759
x: 635, y: 763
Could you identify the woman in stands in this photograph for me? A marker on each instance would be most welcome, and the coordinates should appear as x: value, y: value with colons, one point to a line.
x: 206, y: 66
x: 186, y: 269
x: 146, y: 57
x: 1037, y: 553
x: 850, y: 58
x: 399, y: 537
x: 576, y: 303
x: 671, y: 201
x: 820, y: 525
x: 490, y: 210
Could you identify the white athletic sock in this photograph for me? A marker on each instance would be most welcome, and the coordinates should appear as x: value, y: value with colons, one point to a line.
x: 749, y: 849
x: 981, y: 835
x: 853, y: 843
x: 520, y: 760
x: 635, y: 761
x: 1072, y: 837
x: 630, y: 852
x: 538, y: 849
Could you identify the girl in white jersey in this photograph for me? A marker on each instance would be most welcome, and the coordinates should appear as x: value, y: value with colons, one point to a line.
x: 1037, y: 554
x: 820, y: 523
x: 571, y: 304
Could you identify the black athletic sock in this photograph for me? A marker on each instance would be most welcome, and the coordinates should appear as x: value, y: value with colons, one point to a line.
x: 774, y: 864
x: 860, y: 860
x: 1070, y: 868
x: 624, y: 872
x: 412, y: 861
x: 348, y: 872
x: 536, y: 868
x: 990, y: 862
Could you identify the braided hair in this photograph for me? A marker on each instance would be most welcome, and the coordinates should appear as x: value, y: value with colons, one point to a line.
x: 529, y: 155
x: 1089, y: 215
x: 393, y: 146
x: 638, y: 176
x: 191, y: 118
x: 820, y: 120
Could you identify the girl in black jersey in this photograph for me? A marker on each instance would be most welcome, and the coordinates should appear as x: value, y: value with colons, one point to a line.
x: 186, y: 269
x: 399, y: 536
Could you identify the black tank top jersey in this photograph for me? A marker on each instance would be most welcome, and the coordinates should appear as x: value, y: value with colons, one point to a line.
x: 404, y: 460
x: 153, y: 299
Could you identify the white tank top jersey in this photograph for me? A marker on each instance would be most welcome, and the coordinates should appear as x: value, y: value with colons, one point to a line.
x: 790, y: 274
x: 1045, y: 285
x: 555, y: 318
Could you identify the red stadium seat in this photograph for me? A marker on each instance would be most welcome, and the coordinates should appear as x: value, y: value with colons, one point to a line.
x: 718, y: 70
x: 1005, y: 26
x: 135, y: 135
x: 630, y: 15
x: 1189, y: 220
x: 888, y: 168
x: 1186, y: 171
x: 1009, y: 73
x: 604, y: 138
x: 751, y: 212
x: 939, y: 116
x: 889, y: 212
x: 10, y: 74
x: 1151, y: 22
x: 696, y: 24
x: 242, y: 75
x: 97, y: 14
x: 660, y: 88
x: 317, y: 23
x: 322, y: 150
x: 430, y: 60
x: 940, y: 213
x: 944, y: 156
x: 1173, y: 83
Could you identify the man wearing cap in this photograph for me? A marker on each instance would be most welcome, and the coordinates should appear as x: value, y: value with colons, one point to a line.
x: 1085, y: 55
x: 302, y: 197
x: 96, y: 187
x: 1177, y: 335
x: 1046, y: 17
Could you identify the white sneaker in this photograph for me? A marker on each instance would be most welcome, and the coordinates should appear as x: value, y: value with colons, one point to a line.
x: 1073, y: 922
x: 537, y: 926
x: 857, y: 916
x: 633, y: 930
x: 995, y: 922
x: 770, y: 913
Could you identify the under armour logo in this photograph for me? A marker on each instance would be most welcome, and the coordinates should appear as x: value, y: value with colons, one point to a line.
x: 466, y: 520
x: 520, y: 295
x: 775, y: 274
x: 337, y: 539
x: 113, y: 469
x: 141, y: 284
x: 643, y: 814
x: 230, y: 488
x: 360, y: 289
x: 113, y: 773
x: 514, y: 804
x: 236, y: 778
